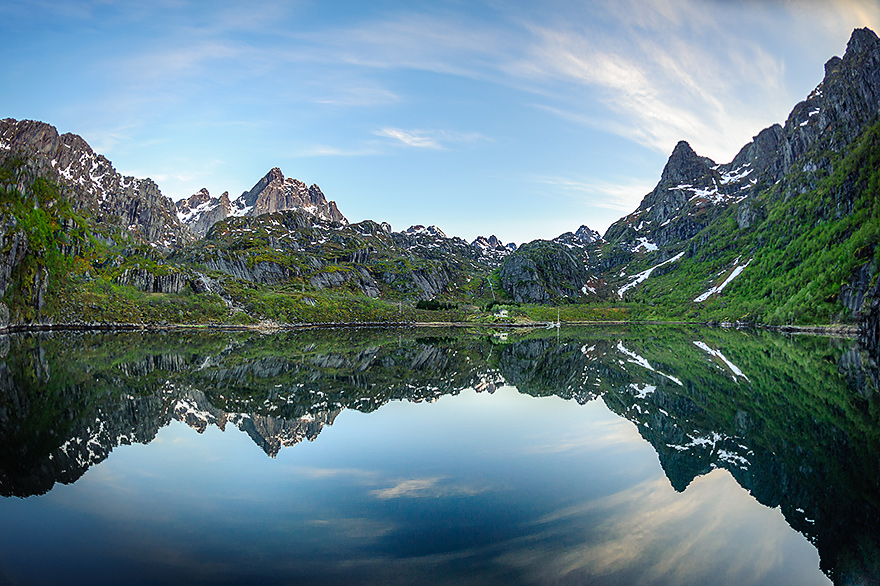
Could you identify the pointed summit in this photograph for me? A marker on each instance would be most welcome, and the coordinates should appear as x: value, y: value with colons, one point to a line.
x: 861, y: 41
x: 684, y: 164
x: 274, y: 193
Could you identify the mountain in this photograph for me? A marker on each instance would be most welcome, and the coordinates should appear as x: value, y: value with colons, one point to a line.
x: 785, y: 232
x: 272, y: 193
x: 580, y: 238
x: 200, y: 211
x: 135, y: 207
x: 492, y: 243
x: 79, y: 243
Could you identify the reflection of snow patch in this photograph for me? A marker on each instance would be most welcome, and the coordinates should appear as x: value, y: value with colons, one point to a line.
x: 641, y: 361
x: 733, y: 368
x: 636, y: 359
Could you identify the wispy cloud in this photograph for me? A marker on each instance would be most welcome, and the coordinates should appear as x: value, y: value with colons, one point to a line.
x: 653, y: 71
x: 614, y: 196
x: 359, y: 96
x: 428, y: 139
x: 323, y: 473
x: 668, y: 537
x: 659, y: 89
x: 331, y: 151
x: 413, y: 138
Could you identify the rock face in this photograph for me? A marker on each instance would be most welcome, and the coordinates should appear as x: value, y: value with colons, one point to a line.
x: 492, y: 243
x: 272, y: 193
x: 697, y: 201
x: 581, y: 237
x: 144, y: 280
x: 542, y: 272
x: 134, y: 205
x: 869, y: 330
x: 201, y: 211
x: 691, y: 192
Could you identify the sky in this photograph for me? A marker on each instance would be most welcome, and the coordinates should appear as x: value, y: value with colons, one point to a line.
x: 523, y: 119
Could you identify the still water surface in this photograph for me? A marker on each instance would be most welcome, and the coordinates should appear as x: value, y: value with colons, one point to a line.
x: 649, y: 456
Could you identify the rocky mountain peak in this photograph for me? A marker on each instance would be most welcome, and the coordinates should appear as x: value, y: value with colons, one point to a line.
x: 586, y: 235
x: 861, y: 41
x: 492, y: 243
x: 832, y: 65
x: 134, y: 205
x: 684, y: 165
x: 761, y: 153
x: 274, y: 174
x: 582, y: 237
x: 199, y: 197
x: 272, y: 193
x: 418, y: 229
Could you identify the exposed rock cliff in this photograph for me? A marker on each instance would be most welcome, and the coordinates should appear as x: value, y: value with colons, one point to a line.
x: 136, y: 206
x: 543, y: 271
x: 693, y: 190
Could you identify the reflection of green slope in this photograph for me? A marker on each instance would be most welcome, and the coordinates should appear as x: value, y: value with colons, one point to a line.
x: 794, y: 420
x: 62, y: 409
x: 795, y: 434
x: 67, y: 399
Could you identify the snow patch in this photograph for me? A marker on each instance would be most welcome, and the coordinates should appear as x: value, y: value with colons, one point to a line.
x: 717, y: 289
x: 644, y: 243
x: 642, y: 392
x: 737, y: 174
x: 639, y: 278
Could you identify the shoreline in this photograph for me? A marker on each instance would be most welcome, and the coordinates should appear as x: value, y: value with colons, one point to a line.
x: 829, y: 330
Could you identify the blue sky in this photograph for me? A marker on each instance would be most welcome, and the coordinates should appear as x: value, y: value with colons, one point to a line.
x: 522, y: 119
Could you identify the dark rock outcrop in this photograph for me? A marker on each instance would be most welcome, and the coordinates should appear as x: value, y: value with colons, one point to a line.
x: 693, y: 189
x: 145, y: 280
x: 274, y: 193
x: 543, y: 272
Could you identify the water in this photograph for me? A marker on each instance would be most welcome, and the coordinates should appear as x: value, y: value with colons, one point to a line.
x: 625, y: 456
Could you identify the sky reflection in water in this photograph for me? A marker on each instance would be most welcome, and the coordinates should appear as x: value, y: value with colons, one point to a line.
x: 474, y: 488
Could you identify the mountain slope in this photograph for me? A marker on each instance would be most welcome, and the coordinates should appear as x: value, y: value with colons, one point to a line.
x: 786, y: 232
x: 128, y: 206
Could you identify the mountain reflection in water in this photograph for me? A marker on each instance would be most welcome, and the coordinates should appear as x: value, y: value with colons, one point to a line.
x: 793, y: 420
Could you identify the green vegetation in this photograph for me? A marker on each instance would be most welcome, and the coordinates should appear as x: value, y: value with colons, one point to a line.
x: 819, y: 230
x: 813, y: 242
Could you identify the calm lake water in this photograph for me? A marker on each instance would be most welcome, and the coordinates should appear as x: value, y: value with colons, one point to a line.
x: 665, y: 455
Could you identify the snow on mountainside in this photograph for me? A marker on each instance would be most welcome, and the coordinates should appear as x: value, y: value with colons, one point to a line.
x: 698, y: 202
x: 694, y: 191
x: 493, y: 247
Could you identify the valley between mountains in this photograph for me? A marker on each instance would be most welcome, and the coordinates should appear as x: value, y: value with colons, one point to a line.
x: 785, y: 233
